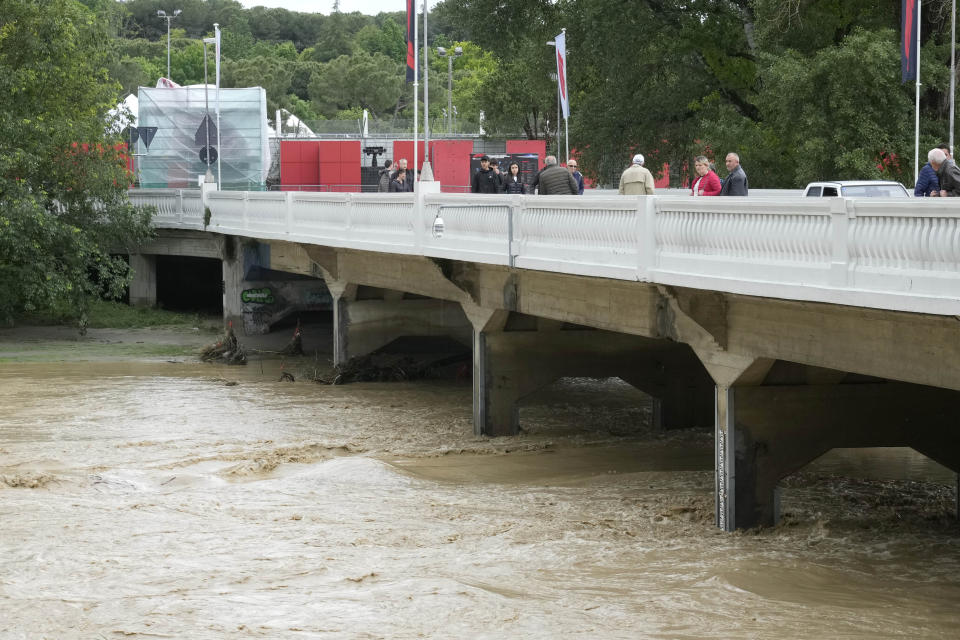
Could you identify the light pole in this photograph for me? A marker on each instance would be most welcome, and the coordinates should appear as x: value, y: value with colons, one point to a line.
x: 163, y: 14
x: 457, y: 52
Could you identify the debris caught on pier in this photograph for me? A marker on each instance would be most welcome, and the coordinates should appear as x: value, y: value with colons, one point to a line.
x: 227, y: 350
x: 386, y: 367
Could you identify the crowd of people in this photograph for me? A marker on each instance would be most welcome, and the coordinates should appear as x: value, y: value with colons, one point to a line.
x: 940, y: 177
x: 554, y: 179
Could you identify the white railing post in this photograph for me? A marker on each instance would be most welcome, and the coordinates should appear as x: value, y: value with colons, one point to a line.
x: 288, y: 198
x: 420, y: 220
x: 840, y: 242
x: 514, y: 220
x: 646, y: 230
x: 349, y: 224
x: 181, y: 214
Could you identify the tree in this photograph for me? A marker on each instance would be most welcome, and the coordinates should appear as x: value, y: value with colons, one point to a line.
x: 371, y: 82
x: 63, y: 204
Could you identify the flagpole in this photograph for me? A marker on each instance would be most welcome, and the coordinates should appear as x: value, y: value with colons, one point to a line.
x: 953, y: 65
x: 916, y: 126
x: 416, y: 92
x: 566, y: 121
x: 216, y: 32
x: 427, y: 173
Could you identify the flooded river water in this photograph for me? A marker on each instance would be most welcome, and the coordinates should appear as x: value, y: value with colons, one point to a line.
x: 174, y: 499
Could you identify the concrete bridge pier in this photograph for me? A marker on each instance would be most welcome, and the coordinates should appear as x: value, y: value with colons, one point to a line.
x: 367, y: 318
x: 515, y: 354
x: 143, y: 287
x: 765, y: 433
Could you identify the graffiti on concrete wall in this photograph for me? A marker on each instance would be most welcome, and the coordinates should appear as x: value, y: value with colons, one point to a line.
x: 262, y: 296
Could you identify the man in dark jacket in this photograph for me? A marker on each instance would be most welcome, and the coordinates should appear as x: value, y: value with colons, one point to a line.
x: 402, y: 166
x: 383, y: 186
x: 947, y: 173
x: 486, y: 179
x: 572, y: 166
x: 736, y: 182
x: 555, y: 180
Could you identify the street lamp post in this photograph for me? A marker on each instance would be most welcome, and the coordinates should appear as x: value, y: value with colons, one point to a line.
x: 163, y: 14
x: 457, y: 52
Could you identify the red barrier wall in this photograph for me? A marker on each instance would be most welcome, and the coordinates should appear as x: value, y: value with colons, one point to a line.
x: 339, y: 164
x: 404, y: 149
x: 299, y: 165
x: 538, y: 147
x: 451, y: 163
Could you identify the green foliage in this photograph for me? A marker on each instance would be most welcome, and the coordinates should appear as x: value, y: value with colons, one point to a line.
x: 273, y: 74
x: 63, y: 205
x: 372, y: 82
x: 388, y: 39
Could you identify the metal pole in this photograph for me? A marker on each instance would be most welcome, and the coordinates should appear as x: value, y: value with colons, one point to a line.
x: 916, y: 126
x: 206, y: 117
x: 426, y: 86
x: 953, y: 66
x: 450, y: 98
x: 416, y: 91
x: 168, y: 46
x: 216, y: 31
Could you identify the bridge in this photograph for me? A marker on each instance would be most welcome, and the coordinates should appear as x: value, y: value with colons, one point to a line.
x: 792, y: 325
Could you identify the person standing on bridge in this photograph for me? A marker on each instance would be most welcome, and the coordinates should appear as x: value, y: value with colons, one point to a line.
x: 399, y: 182
x: 708, y: 182
x: 736, y: 182
x: 384, y: 185
x: 408, y: 183
x: 636, y: 179
x: 947, y: 173
x: 572, y: 166
x: 928, y: 186
x: 486, y: 179
x: 512, y: 182
x: 554, y: 180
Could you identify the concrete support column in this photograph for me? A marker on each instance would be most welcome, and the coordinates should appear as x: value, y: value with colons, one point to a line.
x: 767, y: 433
x: 233, y: 277
x: 143, y: 287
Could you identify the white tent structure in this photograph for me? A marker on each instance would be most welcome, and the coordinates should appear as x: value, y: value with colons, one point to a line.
x: 124, y: 114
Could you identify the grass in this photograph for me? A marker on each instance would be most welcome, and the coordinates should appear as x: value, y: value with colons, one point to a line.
x: 117, y: 315
x: 56, y: 352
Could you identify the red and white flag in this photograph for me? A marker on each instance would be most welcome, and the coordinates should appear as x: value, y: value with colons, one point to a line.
x: 561, y: 42
x: 411, y: 19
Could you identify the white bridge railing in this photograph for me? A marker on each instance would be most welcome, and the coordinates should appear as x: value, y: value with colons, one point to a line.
x: 868, y: 252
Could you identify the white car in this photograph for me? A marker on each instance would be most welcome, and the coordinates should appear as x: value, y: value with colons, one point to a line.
x: 856, y: 189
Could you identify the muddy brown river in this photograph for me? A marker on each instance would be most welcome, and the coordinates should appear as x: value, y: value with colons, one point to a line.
x: 153, y: 499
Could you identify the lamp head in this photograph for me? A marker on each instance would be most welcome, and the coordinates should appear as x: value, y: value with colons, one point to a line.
x: 458, y: 51
x: 442, y: 51
x: 177, y: 12
x: 161, y: 13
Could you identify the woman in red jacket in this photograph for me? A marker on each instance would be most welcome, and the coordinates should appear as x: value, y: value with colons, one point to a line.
x: 707, y: 182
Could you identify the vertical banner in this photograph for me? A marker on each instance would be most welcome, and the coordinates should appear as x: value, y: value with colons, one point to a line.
x: 561, y: 42
x: 909, y: 31
x: 411, y: 20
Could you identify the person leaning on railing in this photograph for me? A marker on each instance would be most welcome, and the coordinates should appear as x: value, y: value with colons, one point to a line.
x: 947, y: 173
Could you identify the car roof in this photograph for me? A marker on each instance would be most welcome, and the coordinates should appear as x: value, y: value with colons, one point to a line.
x: 853, y: 183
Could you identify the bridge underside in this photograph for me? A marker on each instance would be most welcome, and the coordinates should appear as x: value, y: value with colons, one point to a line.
x: 781, y: 381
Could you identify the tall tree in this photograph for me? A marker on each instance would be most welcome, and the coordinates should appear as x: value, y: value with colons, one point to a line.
x: 63, y: 204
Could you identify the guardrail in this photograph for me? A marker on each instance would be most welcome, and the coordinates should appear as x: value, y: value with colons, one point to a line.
x: 869, y: 252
